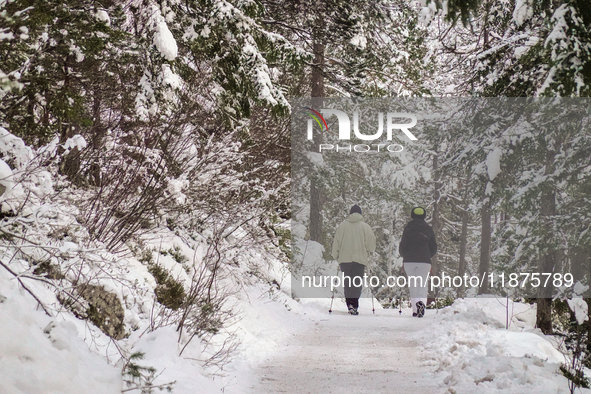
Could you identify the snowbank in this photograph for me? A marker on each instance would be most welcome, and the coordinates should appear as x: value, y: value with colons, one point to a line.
x: 474, y: 352
x: 40, y: 354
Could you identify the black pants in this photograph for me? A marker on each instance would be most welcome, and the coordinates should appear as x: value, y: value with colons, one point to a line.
x: 353, y: 292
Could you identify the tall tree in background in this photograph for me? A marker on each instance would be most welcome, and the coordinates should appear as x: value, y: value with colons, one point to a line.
x: 319, y: 38
x: 144, y: 83
x: 356, y: 48
x: 520, y: 49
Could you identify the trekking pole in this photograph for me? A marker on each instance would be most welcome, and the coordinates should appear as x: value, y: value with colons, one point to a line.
x: 400, y: 306
x: 373, y: 309
x: 331, y: 301
x: 333, y: 290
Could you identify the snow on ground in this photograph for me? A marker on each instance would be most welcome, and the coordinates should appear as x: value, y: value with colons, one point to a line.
x: 63, y: 354
x: 474, y: 352
x: 285, y: 345
x: 340, y: 353
x: 464, y: 348
x: 297, y: 347
x: 161, y: 351
x: 40, y: 354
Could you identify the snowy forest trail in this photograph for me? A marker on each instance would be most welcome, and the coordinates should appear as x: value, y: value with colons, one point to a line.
x: 368, y: 353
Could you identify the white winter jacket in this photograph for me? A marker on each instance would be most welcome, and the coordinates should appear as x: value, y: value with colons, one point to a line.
x: 353, y: 241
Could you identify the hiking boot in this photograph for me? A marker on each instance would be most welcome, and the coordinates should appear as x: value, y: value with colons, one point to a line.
x: 414, y: 314
x: 353, y: 311
x: 420, y: 309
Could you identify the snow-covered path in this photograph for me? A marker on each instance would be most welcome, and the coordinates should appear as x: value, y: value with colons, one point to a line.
x: 340, y: 353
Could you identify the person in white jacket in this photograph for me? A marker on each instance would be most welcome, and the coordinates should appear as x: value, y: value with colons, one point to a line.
x: 353, y: 241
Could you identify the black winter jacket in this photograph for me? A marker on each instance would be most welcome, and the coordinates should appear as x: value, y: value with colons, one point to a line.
x: 418, y: 243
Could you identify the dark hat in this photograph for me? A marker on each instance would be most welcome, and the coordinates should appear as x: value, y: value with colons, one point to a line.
x: 355, y: 208
x: 418, y: 213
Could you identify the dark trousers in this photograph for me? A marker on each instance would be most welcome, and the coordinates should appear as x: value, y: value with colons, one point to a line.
x: 353, y: 292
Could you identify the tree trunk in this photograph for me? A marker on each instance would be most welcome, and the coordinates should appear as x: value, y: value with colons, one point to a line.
x: 315, y: 212
x: 485, y: 241
x: 70, y: 163
x: 435, y: 217
x: 433, y: 294
x: 463, y: 243
x: 585, y: 260
x: 318, y: 71
x: 544, y: 303
x: 547, y: 263
x: 578, y: 258
x: 316, y: 195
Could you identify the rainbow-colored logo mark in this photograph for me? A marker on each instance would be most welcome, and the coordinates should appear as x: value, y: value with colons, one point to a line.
x: 317, y: 117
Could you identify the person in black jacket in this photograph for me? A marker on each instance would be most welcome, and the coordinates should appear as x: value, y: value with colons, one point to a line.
x: 417, y: 246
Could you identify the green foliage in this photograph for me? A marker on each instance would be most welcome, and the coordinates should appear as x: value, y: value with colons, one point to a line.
x: 577, y: 377
x: 376, y: 47
x: 458, y: 10
x: 102, y: 308
x: 94, y: 315
x: 562, y: 316
x: 50, y: 271
x: 576, y: 343
x: 441, y: 302
x: 208, y: 315
x: 240, y: 49
x: 140, y: 377
x: 146, y: 257
x: 284, y: 240
x: 60, y: 53
x: 169, y: 292
x: 547, y: 51
x: 176, y: 254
